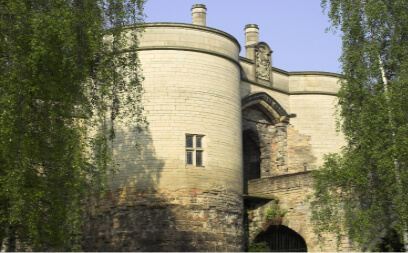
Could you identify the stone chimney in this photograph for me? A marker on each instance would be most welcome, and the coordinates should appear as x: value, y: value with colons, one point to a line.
x: 199, y: 13
x: 251, y: 40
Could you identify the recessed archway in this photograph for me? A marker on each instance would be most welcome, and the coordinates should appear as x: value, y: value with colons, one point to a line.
x: 268, y: 105
x: 264, y: 124
x: 282, y: 239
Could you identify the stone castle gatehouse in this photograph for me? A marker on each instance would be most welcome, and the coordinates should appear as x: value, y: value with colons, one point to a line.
x: 229, y: 137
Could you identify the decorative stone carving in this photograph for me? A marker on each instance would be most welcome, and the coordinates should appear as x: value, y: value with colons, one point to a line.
x: 263, y: 61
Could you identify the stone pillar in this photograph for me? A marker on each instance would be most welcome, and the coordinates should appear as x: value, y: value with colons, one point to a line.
x: 251, y: 40
x: 199, y: 12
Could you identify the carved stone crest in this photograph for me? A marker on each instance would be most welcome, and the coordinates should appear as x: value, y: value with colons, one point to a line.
x: 263, y: 62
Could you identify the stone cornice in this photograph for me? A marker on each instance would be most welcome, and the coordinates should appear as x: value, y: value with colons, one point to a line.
x: 191, y: 49
x: 316, y: 73
x: 267, y: 87
x: 293, y: 92
x: 295, y: 73
x: 188, y: 26
x: 307, y: 73
x: 246, y: 60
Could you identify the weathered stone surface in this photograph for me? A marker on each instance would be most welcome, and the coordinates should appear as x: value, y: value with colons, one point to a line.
x: 273, y: 149
x: 291, y: 191
x: 195, y: 82
x: 165, y: 220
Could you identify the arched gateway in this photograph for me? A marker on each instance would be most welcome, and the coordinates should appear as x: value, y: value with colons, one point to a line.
x: 282, y: 239
x: 264, y: 124
x: 266, y: 139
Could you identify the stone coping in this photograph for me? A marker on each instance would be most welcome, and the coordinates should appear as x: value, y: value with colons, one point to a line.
x: 283, y: 176
x: 307, y: 73
x: 295, y: 73
x: 315, y: 73
x: 258, y: 197
x: 251, y: 26
x: 199, y: 6
x: 246, y: 60
x: 188, y: 26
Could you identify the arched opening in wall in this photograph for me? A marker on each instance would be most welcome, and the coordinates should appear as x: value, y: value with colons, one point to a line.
x: 282, y: 239
x: 264, y: 137
x: 257, y: 135
x: 252, y: 157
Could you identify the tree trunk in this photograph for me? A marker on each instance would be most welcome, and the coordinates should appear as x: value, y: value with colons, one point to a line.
x: 7, y: 243
x: 396, y: 161
x: 393, y: 131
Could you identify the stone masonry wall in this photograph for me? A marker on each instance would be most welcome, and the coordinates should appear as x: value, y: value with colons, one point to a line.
x: 300, y: 152
x: 282, y: 148
x: 315, y: 116
x: 160, y: 200
x: 167, y: 220
x: 255, y: 217
x: 292, y: 190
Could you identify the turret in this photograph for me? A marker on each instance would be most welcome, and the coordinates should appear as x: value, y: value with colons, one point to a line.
x: 251, y: 40
x: 199, y: 13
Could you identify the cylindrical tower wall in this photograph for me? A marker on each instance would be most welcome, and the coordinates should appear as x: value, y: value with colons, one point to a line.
x: 173, y: 196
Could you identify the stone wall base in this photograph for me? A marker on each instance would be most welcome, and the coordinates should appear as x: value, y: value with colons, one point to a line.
x: 167, y: 220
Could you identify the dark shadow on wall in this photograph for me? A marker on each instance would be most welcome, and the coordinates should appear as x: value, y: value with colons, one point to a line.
x: 252, y: 222
x: 252, y: 157
x: 280, y: 238
x: 257, y: 127
x: 134, y: 214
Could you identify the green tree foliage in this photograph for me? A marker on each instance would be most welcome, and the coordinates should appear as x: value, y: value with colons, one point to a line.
x: 363, y: 188
x: 62, y: 76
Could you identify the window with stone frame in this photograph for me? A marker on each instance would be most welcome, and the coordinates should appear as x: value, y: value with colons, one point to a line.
x: 194, y: 150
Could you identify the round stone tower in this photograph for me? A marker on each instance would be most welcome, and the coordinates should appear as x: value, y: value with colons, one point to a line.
x: 182, y: 191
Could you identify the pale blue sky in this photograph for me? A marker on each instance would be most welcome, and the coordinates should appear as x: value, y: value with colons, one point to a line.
x: 294, y: 29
